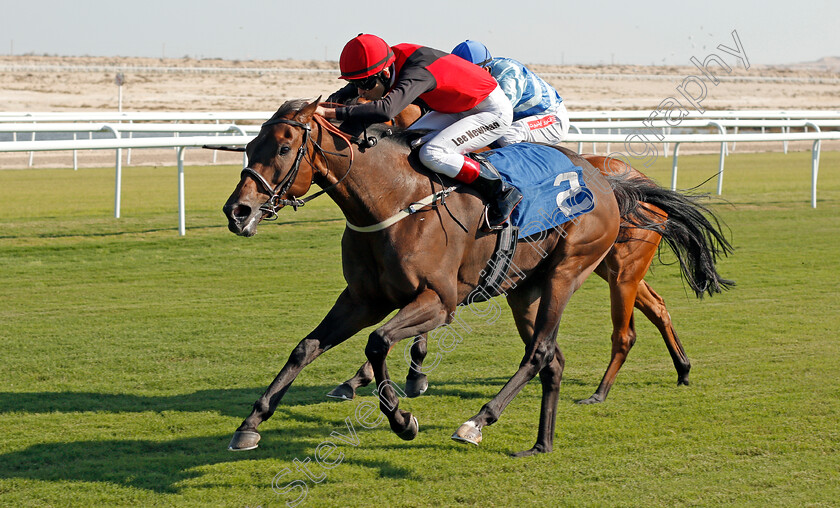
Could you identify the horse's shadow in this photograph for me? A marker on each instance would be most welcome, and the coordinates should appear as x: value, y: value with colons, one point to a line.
x: 152, y: 465
x: 234, y: 402
x: 485, y: 388
x: 160, y: 466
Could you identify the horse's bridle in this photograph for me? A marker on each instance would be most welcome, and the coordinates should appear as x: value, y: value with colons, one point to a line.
x: 275, y: 201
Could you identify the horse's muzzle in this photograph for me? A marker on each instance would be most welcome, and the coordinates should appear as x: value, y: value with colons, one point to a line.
x: 241, y: 219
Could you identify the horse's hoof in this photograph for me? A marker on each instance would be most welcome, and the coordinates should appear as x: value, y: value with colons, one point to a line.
x: 416, y: 387
x: 591, y: 400
x: 244, y: 440
x: 342, y: 392
x: 533, y: 451
x: 468, y: 433
x: 411, y: 431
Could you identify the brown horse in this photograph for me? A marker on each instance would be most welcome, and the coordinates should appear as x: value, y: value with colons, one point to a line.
x: 425, y: 265
x: 695, y: 240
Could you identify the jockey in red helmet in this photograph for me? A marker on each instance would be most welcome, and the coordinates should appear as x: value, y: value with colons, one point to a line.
x: 468, y: 109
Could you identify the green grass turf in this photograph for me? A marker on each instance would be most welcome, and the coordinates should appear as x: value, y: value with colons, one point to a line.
x: 131, y: 354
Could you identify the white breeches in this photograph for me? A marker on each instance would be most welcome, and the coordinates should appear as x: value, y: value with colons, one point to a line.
x: 550, y: 127
x: 455, y: 134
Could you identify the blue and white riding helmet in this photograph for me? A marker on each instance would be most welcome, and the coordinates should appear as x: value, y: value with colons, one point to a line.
x: 473, y: 51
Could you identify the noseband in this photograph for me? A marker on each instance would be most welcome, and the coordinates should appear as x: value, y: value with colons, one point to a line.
x: 275, y: 201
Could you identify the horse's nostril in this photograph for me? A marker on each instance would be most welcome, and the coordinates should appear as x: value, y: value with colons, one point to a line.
x: 237, y: 212
x: 241, y: 211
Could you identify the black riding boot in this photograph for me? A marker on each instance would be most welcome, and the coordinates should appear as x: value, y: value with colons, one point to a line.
x: 501, y: 197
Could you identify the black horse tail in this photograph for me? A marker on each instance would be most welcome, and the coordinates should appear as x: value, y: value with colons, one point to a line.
x: 691, y: 229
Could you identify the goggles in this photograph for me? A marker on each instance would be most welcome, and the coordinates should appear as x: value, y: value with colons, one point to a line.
x: 366, y: 83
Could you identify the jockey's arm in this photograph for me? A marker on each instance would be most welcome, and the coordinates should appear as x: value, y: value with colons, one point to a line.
x: 347, y: 92
x: 510, y: 79
x: 409, y: 85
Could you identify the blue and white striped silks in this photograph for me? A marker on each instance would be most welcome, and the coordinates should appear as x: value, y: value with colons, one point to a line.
x: 528, y: 93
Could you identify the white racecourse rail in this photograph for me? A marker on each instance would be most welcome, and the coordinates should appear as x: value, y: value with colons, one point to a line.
x: 637, y: 122
x: 181, y: 143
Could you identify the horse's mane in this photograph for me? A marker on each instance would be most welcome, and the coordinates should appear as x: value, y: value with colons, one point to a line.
x: 397, y: 135
x: 380, y: 131
x: 291, y: 106
x: 401, y: 136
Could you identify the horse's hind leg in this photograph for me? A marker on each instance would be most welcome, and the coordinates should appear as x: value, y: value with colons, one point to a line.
x: 525, y: 304
x: 624, y: 268
x: 540, y: 353
x: 550, y: 377
x: 426, y: 312
x: 653, y: 307
x: 347, y: 389
x: 345, y: 319
x: 622, y: 296
x: 415, y: 382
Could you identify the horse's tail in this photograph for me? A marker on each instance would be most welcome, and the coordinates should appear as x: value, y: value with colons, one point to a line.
x: 691, y: 229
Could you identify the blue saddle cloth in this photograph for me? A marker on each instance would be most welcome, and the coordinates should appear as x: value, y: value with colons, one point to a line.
x: 553, y: 187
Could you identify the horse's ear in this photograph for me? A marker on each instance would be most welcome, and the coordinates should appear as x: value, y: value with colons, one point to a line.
x: 309, y: 110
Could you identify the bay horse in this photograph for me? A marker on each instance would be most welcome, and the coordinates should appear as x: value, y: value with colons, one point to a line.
x: 696, y: 241
x: 422, y: 268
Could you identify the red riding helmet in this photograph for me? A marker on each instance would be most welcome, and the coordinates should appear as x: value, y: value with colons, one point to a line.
x: 364, y: 56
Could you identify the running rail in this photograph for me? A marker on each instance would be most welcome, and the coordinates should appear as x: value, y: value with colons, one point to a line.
x: 118, y: 143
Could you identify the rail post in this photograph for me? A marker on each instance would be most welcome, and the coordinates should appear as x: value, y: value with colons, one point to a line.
x: 241, y: 130
x: 117, y: 170
x: 182, y: 222
x: 815, y: 164
x: 722, y: 130
x: 571, y: 126
x: 674, y: 166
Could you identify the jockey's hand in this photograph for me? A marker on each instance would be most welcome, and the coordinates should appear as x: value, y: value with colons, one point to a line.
x: 328, y: 113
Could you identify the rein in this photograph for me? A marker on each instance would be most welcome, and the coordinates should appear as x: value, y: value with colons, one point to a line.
x: 275, y: 201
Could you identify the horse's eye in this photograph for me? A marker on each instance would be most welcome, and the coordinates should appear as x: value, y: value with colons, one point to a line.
x: 283, y: 150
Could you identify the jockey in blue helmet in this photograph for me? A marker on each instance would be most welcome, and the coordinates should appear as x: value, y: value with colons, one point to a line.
x: 539, y: 114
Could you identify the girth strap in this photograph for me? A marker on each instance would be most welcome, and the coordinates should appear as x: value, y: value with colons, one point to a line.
x: 495, y: 273
x: 405, y: 212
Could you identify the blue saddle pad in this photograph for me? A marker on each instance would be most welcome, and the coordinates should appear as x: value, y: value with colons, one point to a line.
x: 553, y: 187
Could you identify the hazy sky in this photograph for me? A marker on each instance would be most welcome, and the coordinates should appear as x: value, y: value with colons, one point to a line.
x: 533, y: 31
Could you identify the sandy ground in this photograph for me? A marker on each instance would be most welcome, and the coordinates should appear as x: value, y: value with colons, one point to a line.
x: 43, y: 83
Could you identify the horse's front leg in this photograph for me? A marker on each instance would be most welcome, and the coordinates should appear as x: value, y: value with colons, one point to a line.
x: 415, y: 382
x: 346, y: 318
x: 426, y: 312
